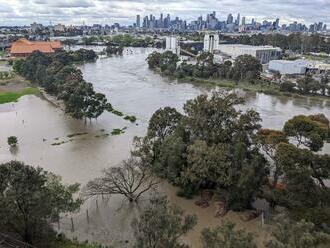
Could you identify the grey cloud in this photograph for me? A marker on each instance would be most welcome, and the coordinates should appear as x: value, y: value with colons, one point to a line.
x: 91, y: 11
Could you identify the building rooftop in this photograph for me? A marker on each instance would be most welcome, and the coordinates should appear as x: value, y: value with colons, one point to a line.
x: 241, y: 46
x: 24, y: 46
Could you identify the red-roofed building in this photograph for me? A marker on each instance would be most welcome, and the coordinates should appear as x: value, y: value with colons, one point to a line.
x: 24, y: 47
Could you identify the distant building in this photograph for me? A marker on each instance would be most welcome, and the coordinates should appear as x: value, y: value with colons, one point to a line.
x: 299, y: 66
x: 36, y: 27
x: 24, y: 47
x: 263, y: 53
x: 211, y: 43
x: 288, y: 67
x: 172, y: 44
x: 138, y: 21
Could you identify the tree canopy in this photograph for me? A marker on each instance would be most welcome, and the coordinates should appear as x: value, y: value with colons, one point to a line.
x: 226, y: 236
x: 30, y: 198
x: 57, y: 75
x: 162, y: 225
x: 210, y: 146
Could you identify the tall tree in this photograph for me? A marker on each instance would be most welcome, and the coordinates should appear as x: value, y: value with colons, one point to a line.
x: 307, y: 131
x: 30, y: 198
x: 132, y: 179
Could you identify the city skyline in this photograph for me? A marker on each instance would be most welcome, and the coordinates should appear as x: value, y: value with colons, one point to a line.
x: 19, y: 12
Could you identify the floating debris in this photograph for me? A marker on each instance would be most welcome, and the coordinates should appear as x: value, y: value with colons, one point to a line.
x: 75, y: 134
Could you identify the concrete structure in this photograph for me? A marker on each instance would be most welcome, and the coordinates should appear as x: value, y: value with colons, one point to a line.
x: 24, y: 47
x: 59, y: 27
x: 211, y: 43
x: 172, y: 44
x: 300, y: 66
x: 288, y: 66
x: 263, y: 53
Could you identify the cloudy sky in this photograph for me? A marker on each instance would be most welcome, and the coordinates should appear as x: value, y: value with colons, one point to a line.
x: 20, y: 12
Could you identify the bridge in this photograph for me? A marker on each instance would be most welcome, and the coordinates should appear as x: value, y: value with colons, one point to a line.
x: 185, y: 52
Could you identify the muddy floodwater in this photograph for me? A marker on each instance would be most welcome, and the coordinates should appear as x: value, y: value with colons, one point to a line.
x: 46, y: 139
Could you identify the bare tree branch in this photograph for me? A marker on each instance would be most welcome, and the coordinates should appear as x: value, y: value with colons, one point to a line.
x: 131, y: 179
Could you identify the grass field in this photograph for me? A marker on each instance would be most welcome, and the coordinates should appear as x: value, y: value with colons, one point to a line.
x: 6, y: 97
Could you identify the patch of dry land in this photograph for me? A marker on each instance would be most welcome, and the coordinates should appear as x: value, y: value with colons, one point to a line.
x: 13, y: 88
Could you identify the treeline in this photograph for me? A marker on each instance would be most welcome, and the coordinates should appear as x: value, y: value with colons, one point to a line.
x: 114, y: 50
x: 296, y: 42
x: 212, y: 145
x: 59, y: 77
x: 308, y: 86
x: 245, y: 67
x: 127, y: 40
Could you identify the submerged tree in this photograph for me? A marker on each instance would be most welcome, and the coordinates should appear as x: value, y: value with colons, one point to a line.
x: 12, y: 141
x: 209, y: 146
x: 131, y: 179
x: 162, y: 225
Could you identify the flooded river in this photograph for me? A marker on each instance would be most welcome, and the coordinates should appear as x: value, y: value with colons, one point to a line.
x: 135, y: 90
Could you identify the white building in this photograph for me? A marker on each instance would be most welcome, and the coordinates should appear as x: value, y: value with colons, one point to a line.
x: 263, y: 53
x: 35, y: 27
x: 59, y: 27
x: 211, y: 43
x: 288, y: 66
x: 299, y: 66
x: 172, y: 44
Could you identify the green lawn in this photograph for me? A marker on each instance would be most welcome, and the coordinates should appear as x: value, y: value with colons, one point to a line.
x: 6, y: 97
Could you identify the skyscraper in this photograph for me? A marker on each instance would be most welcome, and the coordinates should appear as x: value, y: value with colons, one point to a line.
x: 138, y: 21
x: 230, y: 19
x: 238, y: 20
x: 243, y: 21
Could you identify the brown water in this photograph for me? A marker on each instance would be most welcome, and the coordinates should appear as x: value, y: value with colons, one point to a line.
x: 134, y: 90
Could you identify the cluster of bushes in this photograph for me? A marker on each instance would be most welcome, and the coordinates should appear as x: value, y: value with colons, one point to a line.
x: 59, y: 77
x: 215, y: 146
x: 114, y: 50
x: 307, y: 85
x: 130, y: 41
x: 5, y: 75
x: 246, y: 67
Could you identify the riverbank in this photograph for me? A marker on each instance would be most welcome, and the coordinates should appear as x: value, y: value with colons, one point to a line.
x: 266, y: 88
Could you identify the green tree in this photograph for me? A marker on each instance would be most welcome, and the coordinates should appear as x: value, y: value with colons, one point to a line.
x: 287, y: 86
x: 324, y: 84
x: 308, y: 84
x: 210, y: 146
x: 226, y: 236
x: 154, y: 60
x: 163, y: 123
x: 305, y: 194
x: 268, y: 140
x: 30, y: 198
x: 12, y: 141
x: 302, y: 234
x: 162, y: 225
x: 307, y: 131
x: 247, y: 67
